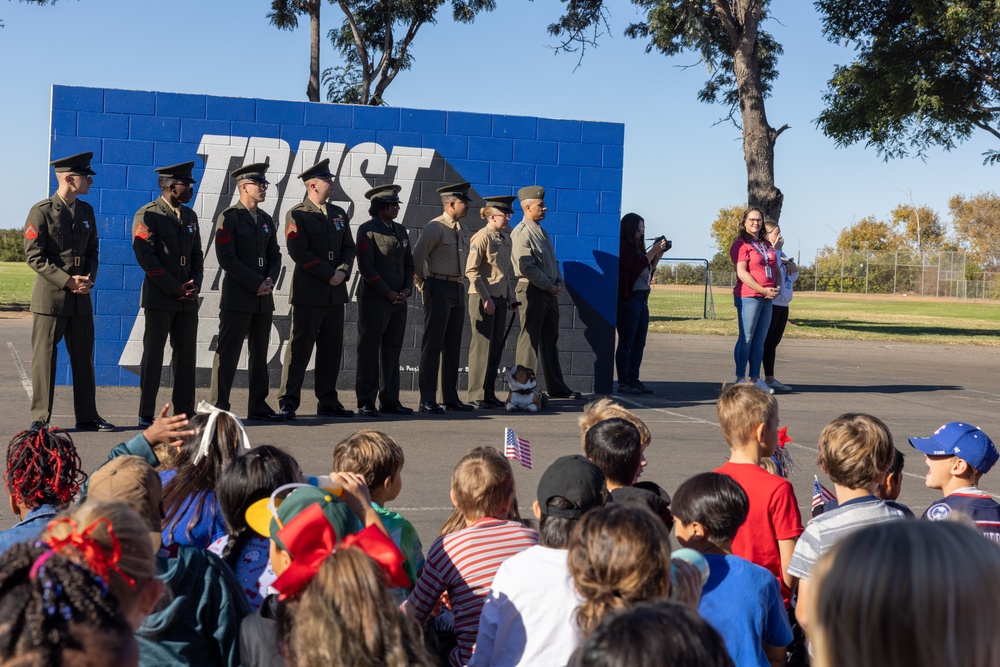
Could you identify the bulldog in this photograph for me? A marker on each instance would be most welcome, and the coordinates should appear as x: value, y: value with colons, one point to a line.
x: 524, y: 393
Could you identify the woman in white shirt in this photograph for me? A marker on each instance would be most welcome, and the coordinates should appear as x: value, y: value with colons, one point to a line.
x: 779, y: 308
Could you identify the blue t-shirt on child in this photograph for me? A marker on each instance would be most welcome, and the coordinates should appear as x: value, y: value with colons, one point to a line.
x: 743, y: 603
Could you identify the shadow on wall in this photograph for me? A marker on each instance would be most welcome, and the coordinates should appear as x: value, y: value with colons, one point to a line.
x: 594, y: 292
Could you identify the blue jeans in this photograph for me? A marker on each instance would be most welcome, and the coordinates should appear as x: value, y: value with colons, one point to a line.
x: 754, y: 317
x: 632, y: 325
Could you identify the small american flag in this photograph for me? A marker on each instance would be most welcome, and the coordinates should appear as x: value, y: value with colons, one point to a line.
x: 821, y: 495
x: 516, y: 449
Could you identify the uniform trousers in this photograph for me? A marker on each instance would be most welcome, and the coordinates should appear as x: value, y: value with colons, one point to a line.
x: 381, y: 328
x: 320, y: 327
x: 235, y: 327
x: 484, y: 346
x: 78, y: 332
x: 441, y: 346
x: 539, y: 335
x: 182, y: 329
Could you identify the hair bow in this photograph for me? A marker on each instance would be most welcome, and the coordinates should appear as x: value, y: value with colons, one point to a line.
x: 98, y: 560
x: 206, y: 408
x: 783, y: 457
x: 310, y: 539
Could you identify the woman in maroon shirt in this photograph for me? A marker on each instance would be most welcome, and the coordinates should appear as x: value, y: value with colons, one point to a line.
x: 635, y: 273
x: 756, y: 264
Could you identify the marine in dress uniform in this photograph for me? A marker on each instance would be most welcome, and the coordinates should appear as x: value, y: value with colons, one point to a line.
x: 491, y: 294
x: 439, y: 263
x: 385, y: 262
x: 167, y: 245
x: 60, y: 245
x: 318, y: 239
x: 246, y: 244
x: 539, y: 285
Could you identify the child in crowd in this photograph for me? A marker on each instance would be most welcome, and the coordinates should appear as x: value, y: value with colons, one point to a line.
x: 528, y: 616
x: 337, y: 608
x: 376, y: 457
x: 888, y: 489
x: 616, y: 445
x: 740, y: 600
x: 957, y: 456
x: 855, y: 450
x: 464, y: 563
x: 653, y: 633
x: 43, y: 474
x: 296, y: 555
x: 907, y: 594
x: 198, y: 626
x: 56, y: 613
x: 250, y: 477
x: 749, y: 420
x: 620, y: 555
x: 113, y: 542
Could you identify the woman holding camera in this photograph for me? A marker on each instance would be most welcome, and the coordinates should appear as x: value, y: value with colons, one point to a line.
x: 757, y: 275
x: 635, y: 275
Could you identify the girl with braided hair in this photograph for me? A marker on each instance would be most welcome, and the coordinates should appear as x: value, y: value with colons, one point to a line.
x: 43, y: 474
x: 619, y: 555
x: 55, y: 613
x: 246, y: 479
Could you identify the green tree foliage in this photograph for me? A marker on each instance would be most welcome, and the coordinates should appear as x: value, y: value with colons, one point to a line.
x: 374, y: 43
x: 11, y: 245
x: 920, y: 227
x: 33, y: 2
x: 926, y: 73
x: 725, y: 229
x: 727, y: 37
x: 976, y: 221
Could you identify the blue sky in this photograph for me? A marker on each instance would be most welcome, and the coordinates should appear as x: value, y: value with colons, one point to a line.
x: 680, y: 165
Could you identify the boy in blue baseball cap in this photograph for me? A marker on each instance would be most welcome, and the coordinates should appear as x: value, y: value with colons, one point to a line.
x: 957, y: 456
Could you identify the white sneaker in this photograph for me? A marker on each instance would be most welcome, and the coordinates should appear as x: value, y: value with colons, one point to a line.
x: 776, y: 385
x: 760, y: 384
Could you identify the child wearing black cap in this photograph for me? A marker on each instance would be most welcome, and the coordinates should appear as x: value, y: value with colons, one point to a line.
x: 957, y: 456
x: 528, y: 616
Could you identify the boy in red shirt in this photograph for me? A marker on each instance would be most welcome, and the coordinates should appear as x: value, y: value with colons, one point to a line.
x: 749, y: 420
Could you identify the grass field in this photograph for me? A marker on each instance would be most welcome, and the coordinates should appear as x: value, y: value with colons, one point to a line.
x: 839, y: 316
x: 16, y: 279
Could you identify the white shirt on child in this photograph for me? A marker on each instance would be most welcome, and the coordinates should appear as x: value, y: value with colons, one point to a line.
x: 529, y: 615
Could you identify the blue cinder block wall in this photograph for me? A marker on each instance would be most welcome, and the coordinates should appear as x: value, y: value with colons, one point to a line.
x: 131, y: 132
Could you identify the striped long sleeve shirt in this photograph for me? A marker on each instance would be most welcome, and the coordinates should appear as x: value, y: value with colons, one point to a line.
x: 463, y: 564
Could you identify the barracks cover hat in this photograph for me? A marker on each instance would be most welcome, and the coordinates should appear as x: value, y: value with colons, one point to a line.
x: 319, y: 170
x: 460, y: 190
x: 965, y: 441
x: 501, y: 203
x: 384, y: 192
x: 253, y: 172
x: 181, y: 172
x: 531, y: 192
x: 577, y: 480
x: 77, y: 164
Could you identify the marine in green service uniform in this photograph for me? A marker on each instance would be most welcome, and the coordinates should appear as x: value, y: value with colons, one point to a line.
x: 167, y: 245
x: 246, y: 245
x: 439, y: 263
x: 491, y: 294
x: 318, y: 239
x: 385, y: 262
x: 60, y: 245
x: 539, y: 285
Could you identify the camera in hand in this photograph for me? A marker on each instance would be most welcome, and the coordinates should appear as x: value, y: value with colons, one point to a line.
x: 670, y: 244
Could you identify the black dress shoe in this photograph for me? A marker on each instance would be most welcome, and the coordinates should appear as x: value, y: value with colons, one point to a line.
x: 496, y: 403
x: 458, y: 406
x: 267, y: 416
x: 567, y: 394
x: 397, y: 410
x: 145, y: 423
x: 98, y: 424
x: 288, y: 413
x: 368, y: 410
x: 38, y: 425
x: 339, y: 411
x: 431, y: 408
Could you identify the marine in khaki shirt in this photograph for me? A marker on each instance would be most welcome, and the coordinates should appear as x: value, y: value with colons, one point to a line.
x: 439, y: 258
x: 491, y: 293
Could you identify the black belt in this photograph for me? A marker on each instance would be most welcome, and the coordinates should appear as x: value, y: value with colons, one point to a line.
x: 438, y: 276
